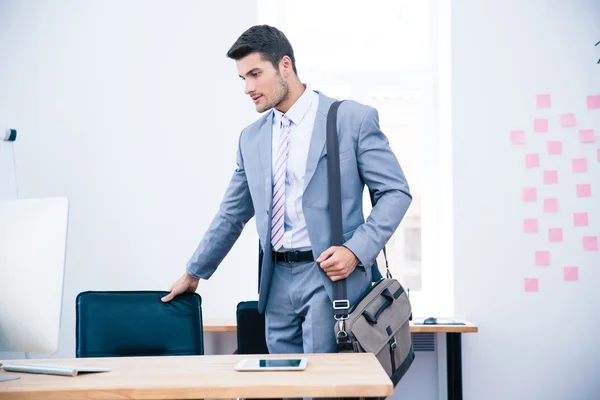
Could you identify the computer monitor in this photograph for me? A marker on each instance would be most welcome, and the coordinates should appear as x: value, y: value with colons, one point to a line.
x: 33, y: 239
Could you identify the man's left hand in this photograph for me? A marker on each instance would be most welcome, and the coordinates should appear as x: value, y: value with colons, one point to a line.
x: 338, y: 262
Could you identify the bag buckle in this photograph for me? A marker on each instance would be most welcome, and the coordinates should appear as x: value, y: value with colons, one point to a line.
x: 393, y: 343
x: 342, y: 335
x: 341, y: 304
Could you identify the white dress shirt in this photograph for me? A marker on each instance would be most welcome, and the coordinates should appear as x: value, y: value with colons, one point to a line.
x: 302, y: 114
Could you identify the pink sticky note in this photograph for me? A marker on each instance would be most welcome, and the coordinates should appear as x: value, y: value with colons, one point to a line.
x: 543, y: 101
x: 590, y: 243
x: 555, y: 235
x: 531, y: 284
x: 587, y: 136
x: 579, y: 165
x: 550, y: 205
x: 542, y: 258
x: 529, y: 194
x: 533, y: 160
x: 554, y: 147
x: 550, y: 177
x: 568, y: 120
x: 593, y: 101
x: 580, y: 219
x: 517, y: 137
x: 584, y: 190
x: 530, y: 225
x: 540, y: 125
x: 571, y: 274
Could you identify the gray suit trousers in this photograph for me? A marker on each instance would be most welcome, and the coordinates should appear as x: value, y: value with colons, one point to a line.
x: 299, y: 313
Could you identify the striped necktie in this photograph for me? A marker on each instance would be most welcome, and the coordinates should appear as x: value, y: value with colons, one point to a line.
x: 278, y: 210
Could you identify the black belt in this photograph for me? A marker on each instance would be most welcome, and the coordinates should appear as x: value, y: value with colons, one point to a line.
x: 293, y: 256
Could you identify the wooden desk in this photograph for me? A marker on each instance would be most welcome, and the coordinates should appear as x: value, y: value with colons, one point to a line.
x: 200, y: 377
x: 453, y: 345
x: 230, y: 325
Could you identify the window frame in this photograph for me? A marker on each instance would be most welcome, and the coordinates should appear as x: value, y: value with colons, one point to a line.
x: 436, y: 296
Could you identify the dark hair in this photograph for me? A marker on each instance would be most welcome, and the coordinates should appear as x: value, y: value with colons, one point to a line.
x: 264, y: 39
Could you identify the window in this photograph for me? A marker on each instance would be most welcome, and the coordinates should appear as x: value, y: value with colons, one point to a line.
x: 385, y: 54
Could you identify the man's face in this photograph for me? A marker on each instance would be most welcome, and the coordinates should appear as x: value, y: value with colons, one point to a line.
x: 264, y: 83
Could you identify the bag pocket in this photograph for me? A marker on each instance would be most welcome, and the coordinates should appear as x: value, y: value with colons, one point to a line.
x: 383, y: 311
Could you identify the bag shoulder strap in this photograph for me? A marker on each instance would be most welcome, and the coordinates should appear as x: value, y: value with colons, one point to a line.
x: 341, y: 304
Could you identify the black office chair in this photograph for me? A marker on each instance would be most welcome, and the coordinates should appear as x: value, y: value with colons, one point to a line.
x: 251, y: 338
x: 250, y: 329
x: 137, y: 323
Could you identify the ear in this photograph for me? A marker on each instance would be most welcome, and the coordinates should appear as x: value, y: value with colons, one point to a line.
x: 285, y: 66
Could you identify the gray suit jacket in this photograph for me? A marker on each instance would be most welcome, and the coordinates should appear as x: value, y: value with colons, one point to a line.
x: 365, y: 158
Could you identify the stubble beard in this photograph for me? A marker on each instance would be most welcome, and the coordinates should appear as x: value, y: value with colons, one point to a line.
x: 279, y: 96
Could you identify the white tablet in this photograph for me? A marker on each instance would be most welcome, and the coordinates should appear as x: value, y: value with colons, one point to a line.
x: 272, y: 364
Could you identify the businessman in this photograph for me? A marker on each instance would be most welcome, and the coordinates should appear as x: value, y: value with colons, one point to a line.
x: 281, y: 179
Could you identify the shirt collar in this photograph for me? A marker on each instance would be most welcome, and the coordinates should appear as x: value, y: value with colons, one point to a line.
x: 298, y: 110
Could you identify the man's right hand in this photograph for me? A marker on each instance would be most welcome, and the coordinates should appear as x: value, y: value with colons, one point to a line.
x: 186, y: 283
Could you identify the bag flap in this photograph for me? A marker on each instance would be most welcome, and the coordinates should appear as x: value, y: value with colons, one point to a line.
x: 386, y: 306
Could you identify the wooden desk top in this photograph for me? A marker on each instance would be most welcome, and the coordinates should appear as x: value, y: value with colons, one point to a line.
x: 201, y: 377
x: 230, y: 325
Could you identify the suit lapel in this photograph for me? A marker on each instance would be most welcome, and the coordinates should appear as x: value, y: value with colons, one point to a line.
x: 264, y: 147
x: 318, y: 138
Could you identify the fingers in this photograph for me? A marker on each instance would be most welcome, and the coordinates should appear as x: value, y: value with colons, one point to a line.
x: 326, y: 254
x: 339, y: 271
x: 335, y: 269
x: 174, y: 291
x: 332, y: 266
x: 337, y: 266
x: 329, y: 263
x: 336, y: 276
x: 168, y: 297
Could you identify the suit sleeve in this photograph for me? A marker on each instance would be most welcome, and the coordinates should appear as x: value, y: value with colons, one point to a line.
x: 235, y: 211
x: 381, y: 172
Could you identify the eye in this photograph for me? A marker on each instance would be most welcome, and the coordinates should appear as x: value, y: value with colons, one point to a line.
x: 255, y: 74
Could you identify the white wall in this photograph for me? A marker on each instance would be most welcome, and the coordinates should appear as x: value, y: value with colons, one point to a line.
x: 540, y: 345
x: 133, y: 111
x: 8, y: 178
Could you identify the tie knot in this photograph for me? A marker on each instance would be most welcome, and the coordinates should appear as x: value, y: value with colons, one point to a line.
x: 285, y: 121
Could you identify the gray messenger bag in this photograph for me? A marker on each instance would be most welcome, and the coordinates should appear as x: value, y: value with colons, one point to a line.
x: 379, y: 322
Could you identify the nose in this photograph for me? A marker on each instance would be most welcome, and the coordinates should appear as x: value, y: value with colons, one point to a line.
x: 250, y: 87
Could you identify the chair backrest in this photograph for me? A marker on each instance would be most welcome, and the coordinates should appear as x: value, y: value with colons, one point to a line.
x: 137, y: 323
x: 250, y: 329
